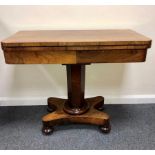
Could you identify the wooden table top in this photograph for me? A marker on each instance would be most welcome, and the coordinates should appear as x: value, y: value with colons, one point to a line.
x: 75, y: 37
x: 75, y: 47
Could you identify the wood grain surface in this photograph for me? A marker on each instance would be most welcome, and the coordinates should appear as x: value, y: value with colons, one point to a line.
x: 75, y: 37
x: 75, y: 47
x: 93, y: 116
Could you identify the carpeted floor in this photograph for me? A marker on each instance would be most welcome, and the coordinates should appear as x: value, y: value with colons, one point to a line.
x: 133, y: 127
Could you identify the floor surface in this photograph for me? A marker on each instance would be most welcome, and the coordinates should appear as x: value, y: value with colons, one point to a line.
x: 133, y: 127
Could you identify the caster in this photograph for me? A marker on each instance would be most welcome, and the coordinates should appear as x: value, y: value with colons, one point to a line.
x: 105, y: 128
x: 47, y: 130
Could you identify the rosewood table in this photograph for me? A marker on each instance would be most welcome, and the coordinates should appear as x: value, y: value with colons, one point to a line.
x: 75, y: 49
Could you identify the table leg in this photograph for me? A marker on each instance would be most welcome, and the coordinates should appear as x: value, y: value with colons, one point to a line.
x: 76, y: 109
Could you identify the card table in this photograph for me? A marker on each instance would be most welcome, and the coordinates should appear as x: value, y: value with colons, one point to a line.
x: 75, y: 49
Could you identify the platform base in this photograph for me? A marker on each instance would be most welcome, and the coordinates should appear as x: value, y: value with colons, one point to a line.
x: 58, y: 115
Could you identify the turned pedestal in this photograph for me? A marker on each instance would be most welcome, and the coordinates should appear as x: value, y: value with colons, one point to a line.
x: 75, y: 109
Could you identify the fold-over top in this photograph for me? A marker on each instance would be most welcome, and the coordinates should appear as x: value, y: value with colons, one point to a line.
x: 75, y: 47
x: 48, y: 38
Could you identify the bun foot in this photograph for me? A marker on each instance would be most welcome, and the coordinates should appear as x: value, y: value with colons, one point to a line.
x: 105, y: 128
x: 46, y: 130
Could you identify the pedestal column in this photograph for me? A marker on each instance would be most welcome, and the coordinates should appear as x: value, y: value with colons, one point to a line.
x: 76, y: 103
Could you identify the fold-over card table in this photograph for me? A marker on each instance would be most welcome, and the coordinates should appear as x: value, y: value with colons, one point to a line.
x: 75, y: 49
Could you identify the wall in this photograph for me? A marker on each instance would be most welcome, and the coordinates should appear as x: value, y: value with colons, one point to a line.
x: 119, y: 83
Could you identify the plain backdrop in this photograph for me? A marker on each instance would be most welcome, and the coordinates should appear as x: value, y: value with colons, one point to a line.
x: 119, y: 83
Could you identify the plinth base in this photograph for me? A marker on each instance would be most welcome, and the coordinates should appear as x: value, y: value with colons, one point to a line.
x: 58, y: 116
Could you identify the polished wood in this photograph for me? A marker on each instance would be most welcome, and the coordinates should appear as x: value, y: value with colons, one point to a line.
x: 92, y: 116
x: 75, y: 49
x: 46, y: 56
x: 76, y: 108
x: 75, y: 46
x: 111, y: 56
x: 76, y: 38
x: 39, y: 57
x: 76, y: 82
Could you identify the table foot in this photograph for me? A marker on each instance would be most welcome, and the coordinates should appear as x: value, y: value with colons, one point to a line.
x: 92, y: 116
x: 105, y: 128
x: 47, y: 130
